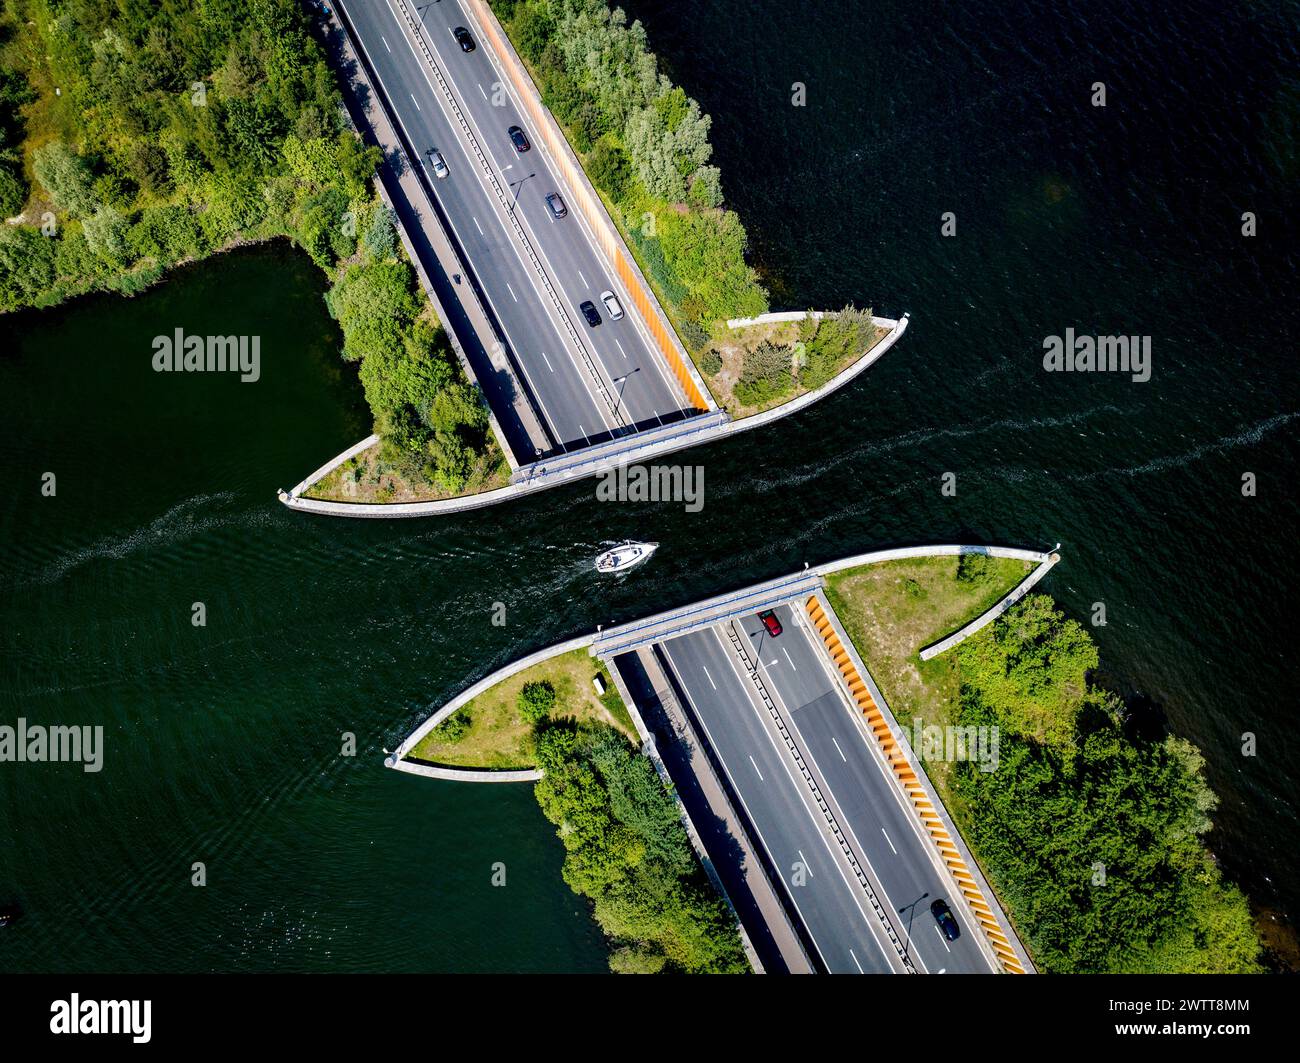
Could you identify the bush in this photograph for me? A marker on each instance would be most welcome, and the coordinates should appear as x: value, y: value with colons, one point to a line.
x: 765, y: 374
x: 455, y: 727
x: 536, y: 700
x: 711, y: 362
x: 974, y: 568
x: 380, y: 240
x: 65, y: 176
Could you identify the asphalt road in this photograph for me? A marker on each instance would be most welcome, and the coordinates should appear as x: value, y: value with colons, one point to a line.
x: 830, y: 902
x: 884, y: 832
x: 637, y: 388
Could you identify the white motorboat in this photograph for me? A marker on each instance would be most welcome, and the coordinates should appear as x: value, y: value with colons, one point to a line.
x: 625, y: 556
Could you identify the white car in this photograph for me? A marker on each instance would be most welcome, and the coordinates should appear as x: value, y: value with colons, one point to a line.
x: 611, y: 305
x: 438, y: 162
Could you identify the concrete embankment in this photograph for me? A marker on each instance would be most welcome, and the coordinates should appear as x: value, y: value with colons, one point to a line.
x: 581, y: 464
x: 805, y: 590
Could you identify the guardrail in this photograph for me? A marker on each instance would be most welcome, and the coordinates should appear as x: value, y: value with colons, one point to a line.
x: 751, y: 669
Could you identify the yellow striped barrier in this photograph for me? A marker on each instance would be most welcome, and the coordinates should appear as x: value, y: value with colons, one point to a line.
x: 591, y: 208
x: 915, y: 791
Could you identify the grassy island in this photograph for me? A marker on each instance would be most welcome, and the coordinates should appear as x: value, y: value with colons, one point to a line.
x: 1091, y: 831
x: 495, y: 729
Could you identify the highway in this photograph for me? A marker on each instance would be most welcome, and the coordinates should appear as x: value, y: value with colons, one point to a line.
x: 830, y: 902
x: 610, y: 380
x: 882, y: 828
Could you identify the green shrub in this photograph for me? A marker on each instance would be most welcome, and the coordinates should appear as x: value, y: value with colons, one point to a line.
x: 711, y: 362
x: 66, y: 177
x: 765, y: 374
x: 536, y: 700
x: 974, y: 568
x: 455, y: 727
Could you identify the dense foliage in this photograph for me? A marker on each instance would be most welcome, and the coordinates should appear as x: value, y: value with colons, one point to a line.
x: 645, y: 144
x: 181, y: 129
x: 626, y: 850
x: 831, y: 342
x: 766, y: 372
x: 1092, y: 833
x: 536, y: 700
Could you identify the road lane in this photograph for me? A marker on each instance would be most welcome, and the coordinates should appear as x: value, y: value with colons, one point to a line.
x: 883, y: 830
x: 578, y: 410
x: 646, y: 388
x: 829, y: 901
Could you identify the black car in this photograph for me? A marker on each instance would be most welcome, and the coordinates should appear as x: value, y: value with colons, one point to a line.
x: 463, y: 38
x: 946, y: 920
x: 518, y: 139
x: 589, y: 312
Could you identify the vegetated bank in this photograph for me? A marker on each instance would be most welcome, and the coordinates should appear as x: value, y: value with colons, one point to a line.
x: 138, y: 137
x: 495, y: 729
x: 1090, y: 829
x: 626, y: 849
x: 645, y: 146
x: 759, y: 366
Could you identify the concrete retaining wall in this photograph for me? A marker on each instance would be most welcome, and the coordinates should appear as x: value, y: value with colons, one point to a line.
x: 775, y: 316
x: 539, y: 476
x: 433, y: 771
x: 486, y: 683
x: 1023, y: 588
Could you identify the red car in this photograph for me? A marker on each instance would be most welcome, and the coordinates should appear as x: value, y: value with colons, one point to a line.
x: 770, y: 622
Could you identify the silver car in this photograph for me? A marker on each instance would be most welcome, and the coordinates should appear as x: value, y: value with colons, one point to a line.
x: 438, y: 163
x: 611, y: 305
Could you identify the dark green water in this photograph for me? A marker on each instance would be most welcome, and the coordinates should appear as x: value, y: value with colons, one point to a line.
x: 223, y: 742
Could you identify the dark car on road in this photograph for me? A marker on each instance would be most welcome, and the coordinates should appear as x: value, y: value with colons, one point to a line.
x: 558, y: 209
x: 518, y: 139
x: 770, y: 622
x: 463, y: 38
x: 589, y: 312
x: 947, y: 921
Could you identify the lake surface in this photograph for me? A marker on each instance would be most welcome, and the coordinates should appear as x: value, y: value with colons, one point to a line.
x: 223, y: 742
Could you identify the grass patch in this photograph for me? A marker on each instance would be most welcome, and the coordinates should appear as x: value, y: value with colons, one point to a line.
x: 371, y: 478
x: 499, y: 737
x: 739, y: 368
x: 892, y: 610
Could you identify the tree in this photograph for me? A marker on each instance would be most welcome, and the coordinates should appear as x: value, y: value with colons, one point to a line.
x: 608, y: 168
x: 106, y: 234
x: 1032, y: 663
x: 65, y: 176
x: 706, y: 187
x: 536, y: 700
x: 13, y: 191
